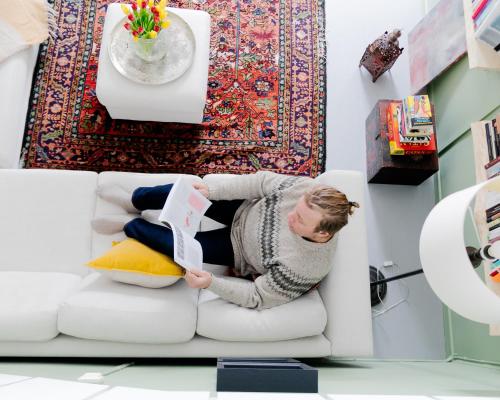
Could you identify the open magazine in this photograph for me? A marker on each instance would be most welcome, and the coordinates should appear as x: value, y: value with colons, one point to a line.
x: 182, y: 212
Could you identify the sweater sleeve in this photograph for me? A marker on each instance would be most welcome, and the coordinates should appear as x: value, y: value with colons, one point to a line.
x: 246, y: 187
x: 268, y: 290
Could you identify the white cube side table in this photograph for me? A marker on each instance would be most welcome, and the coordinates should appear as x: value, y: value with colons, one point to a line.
x: 182, y: 100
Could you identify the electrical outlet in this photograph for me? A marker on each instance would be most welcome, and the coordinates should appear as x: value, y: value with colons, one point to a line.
x: 388, y: 264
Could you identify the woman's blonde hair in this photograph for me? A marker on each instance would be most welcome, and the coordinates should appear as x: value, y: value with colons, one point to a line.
x: 334, y: 206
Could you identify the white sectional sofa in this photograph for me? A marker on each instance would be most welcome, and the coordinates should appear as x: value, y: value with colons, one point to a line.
x: 52, y: 305
x: 16, y: 74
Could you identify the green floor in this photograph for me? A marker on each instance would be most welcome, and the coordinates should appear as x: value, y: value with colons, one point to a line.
x: 456, y: 378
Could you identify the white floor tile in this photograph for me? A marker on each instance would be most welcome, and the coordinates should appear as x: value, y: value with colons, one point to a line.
x: 49, y: 389
x: 126, y: 393
x: 375, y: 397
x: 267, y: 396
x: 6, y: 379
x: 465, y: 398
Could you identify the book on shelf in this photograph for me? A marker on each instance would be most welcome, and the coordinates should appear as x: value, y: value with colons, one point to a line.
x: 495, y: 136
x: 493, y: 225
x: 492, y: 162
x: 494, y: 176
x: 496, y: 132
x: 400, y: 145
x: 493, y: 217
x: 486, y: 23
x: 495, y: 274
x: 493, y: 140
x: 418, y: 116
x: 493, y: 170
x: 481, y: 17
x: 492, y: 134
x: 494, y: 233
x: 491, y: 241
x: 492, y: 211
x: 489, y: 143
x: 478, y: 8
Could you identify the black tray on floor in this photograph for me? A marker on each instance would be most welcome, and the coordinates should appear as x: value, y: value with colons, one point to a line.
x: 265, y: 375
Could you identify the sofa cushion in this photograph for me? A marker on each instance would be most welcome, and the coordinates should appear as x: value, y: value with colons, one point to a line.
x: 113, y: 311
x: 45, y: 220
x: 132, y: 262
x: 221, y: 320
x: 29, y: 302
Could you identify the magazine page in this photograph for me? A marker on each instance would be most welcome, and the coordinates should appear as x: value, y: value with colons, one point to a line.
x: 187, y: 250
x: 184, y: 207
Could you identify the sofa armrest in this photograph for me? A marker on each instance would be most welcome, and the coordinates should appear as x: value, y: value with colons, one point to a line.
x: 16, y: 75
x: 346, y: 289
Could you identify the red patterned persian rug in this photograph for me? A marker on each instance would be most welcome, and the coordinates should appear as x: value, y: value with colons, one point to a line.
x: 265, y: 105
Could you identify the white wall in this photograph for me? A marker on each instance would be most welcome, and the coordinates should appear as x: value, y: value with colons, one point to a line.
x: 395, y: 214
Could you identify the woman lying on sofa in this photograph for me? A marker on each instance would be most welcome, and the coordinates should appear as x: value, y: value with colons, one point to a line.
x: 281, y: 227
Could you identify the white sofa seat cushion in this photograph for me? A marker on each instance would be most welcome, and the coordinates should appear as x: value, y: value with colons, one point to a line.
x: 118, y: 312
x: 29, y: 302
x: 221, y: 320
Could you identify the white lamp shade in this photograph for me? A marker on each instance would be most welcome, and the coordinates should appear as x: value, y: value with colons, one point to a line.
x: 445, y: 261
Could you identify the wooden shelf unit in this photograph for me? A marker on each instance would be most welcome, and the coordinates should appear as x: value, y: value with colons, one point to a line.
x: 480, y: 160
x: 480, y: 54
x: 383, y: 168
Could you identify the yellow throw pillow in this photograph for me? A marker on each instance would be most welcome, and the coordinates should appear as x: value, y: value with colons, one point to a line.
x: 132, y: 262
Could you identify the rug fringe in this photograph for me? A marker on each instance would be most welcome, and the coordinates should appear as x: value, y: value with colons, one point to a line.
x: 52, y: 21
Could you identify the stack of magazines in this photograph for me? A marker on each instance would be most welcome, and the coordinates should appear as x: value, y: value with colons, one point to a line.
x: 410, y: 126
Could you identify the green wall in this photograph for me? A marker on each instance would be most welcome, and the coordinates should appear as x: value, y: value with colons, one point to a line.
x: 461, y: 96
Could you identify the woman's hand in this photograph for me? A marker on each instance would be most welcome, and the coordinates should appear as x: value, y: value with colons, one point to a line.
x: 198, y: 279
x: 202, y: 188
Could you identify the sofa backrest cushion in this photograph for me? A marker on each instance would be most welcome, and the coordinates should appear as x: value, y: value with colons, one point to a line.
x: 45, y: 220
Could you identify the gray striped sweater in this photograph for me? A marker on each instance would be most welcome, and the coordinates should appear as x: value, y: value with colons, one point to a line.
x: 263, y: 243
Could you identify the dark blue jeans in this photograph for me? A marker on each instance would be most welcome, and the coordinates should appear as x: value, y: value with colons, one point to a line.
x: 216, y: 244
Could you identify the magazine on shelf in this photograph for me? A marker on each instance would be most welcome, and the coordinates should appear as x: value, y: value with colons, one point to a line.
x: 396, y: 127
x: 182, y: 212
x: 418, y: 117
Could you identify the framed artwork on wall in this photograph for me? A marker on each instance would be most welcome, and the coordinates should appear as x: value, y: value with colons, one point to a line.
x: 436, y: 42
